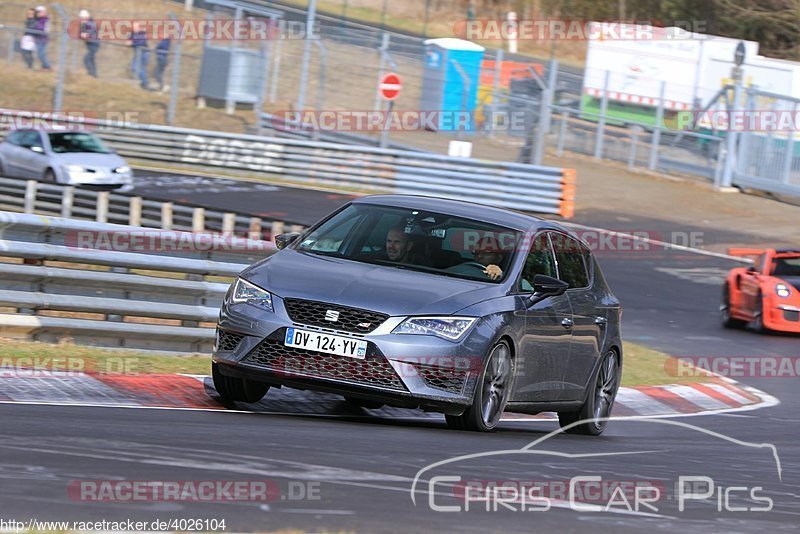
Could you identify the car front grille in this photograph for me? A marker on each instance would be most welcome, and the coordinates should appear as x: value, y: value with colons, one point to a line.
x: 791, y: 315
x: 227, y: 341
x: 450, y: 380
x: 322, y: 314
x: 374, y: 370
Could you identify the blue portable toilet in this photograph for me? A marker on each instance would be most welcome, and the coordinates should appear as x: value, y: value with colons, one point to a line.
x: 443, y: 87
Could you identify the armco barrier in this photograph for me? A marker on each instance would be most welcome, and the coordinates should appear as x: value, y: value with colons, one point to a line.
x: 43, y: 198
x: 154, y: 277
x: 518, y: 186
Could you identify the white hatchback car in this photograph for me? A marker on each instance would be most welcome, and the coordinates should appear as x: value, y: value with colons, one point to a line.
x: 65, y: 157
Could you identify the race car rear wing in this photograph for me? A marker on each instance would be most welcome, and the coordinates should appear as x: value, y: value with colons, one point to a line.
x: 746, y: 251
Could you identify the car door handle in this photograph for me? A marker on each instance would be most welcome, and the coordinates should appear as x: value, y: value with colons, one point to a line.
x: 567, y: 323
x: 600, y: 321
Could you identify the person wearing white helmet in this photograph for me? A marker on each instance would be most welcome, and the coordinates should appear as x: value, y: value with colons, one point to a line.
x: 88, y: 34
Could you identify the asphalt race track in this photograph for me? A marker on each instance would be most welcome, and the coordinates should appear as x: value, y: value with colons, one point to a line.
x: 355, y: 473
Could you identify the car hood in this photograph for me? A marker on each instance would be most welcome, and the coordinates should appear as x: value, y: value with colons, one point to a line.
x: 380, y: 288
x: 791, y: 280
x: 90, y: 159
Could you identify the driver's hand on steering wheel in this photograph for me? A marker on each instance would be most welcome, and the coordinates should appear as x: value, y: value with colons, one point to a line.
x: 493, y: 272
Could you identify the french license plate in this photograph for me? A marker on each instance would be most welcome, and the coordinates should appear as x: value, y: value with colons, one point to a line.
x: 327, y: 343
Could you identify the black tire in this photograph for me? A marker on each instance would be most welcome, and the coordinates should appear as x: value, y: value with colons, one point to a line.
x: 725, y: 310
x: 491, y: 393
x: 50, y: 176
x: 364, y: 403
x: 231, y: 388
x: 599, y: 400
x: 757, y: 324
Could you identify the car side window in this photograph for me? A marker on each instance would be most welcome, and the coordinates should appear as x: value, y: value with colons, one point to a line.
x: 572, y: 259
x: 30, y: 139
x: 13, y: 138
x: 539, y: 261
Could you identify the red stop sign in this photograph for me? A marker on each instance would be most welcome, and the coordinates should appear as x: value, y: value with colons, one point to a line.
x: 390, y: 86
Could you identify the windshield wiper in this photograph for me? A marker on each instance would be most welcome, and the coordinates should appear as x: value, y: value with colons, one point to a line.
x: 326, y: 253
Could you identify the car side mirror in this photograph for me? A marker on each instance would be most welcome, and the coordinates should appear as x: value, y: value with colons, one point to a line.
x: 546, y: 286
x: 37, y: 149
x: 284, y: 240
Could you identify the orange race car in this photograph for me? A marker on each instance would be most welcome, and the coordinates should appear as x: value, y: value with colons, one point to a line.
x: 766, y: 295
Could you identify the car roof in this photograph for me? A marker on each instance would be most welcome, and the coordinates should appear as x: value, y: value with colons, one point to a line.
x: 459, y: 208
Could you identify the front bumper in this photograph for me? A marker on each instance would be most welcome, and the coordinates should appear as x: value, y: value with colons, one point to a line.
x: 399, y: 369
x: 783, y: 318
x: 98, y: 178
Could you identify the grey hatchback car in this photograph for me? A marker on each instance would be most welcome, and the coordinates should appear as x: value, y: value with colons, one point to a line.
x: 427, y: 303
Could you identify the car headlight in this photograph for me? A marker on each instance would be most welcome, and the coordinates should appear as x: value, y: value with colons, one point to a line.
x: 73, y: 168
x: 122, y: 170
x: 450, y: 328
x: 244, y: 291
x: 783, y: 290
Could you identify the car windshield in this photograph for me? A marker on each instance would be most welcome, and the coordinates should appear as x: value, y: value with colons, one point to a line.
x: 406, y: 238
x: 63, y: 142
x: 787, y: 266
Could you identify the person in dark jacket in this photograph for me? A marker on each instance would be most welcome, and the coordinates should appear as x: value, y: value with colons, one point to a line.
x: 141, y: 54
x: 42, y: 36
x: 162, y: 56
x: 28, y: 42
x: 88, y: 34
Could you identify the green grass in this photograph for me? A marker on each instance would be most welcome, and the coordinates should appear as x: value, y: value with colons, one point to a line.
x: 70, y: 357
x: 647, y: 367
x: 642, y: 367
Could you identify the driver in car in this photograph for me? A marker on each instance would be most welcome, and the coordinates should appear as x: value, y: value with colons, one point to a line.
x: 488, y: 258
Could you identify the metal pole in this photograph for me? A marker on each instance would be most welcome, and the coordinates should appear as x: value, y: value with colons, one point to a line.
x: 425, y: 24
x: 544, y: 113
x: 730, y: 160
x: 176, y: 78
x: 498, y: 64
x: 464, y: 95
x: 301, y: 91
x: 275, y: 73
x: 385, y: 132
x: 789, y: 151
x: 323, y: 68
x: 378, y: 105
x: 601, y: 120
x: 562, y: 133
x: 58, y: 96
x: 12, y: 39
x: 656, y: 141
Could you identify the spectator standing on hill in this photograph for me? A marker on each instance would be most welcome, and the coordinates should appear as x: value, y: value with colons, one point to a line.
x: 141, y: 54
x: 42, y: 37
x: 88, y: 34
x: 162, y: 56
x: 28, y: 42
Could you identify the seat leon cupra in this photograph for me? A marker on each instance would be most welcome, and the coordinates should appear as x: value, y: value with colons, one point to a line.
x: 427, y: 303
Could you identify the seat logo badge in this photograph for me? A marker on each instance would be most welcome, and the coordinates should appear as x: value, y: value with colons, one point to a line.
x: 332, y: 315
x: 364, y: 325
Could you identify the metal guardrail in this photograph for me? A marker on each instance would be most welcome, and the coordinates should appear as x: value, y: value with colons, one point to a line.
x: 32, y: 196
x: 518, y: 186
x: 154, y: 275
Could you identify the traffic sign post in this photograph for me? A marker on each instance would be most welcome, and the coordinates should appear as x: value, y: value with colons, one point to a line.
x: 390, y: 89
x: 390, y: 86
